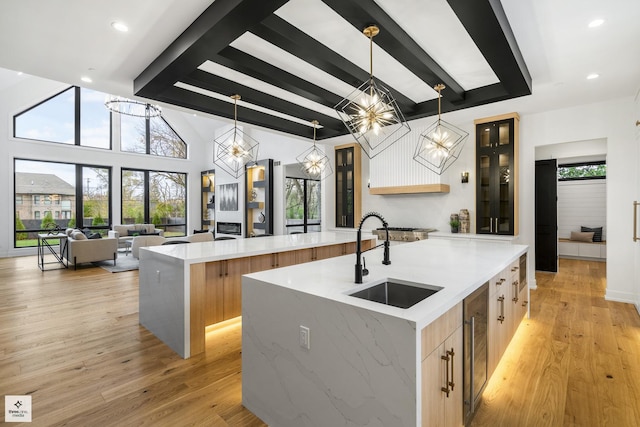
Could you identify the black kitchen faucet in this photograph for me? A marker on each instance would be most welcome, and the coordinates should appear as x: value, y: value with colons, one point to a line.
x: 360, y: 271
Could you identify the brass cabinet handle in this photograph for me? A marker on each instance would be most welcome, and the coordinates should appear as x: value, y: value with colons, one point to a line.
x: 451, y: 353
x: 491, y: 225
x: 635, y: 221
x: 497, y: 226
x: 501, y: 301
x: 515, y: 299
x: 446, y: 389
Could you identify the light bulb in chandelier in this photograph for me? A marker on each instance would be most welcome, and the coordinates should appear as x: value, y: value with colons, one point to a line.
x: 440, y: 145
x: 370, y: 113
x: 313, y: 162
x: 373, y: 114
x: 235, y: 149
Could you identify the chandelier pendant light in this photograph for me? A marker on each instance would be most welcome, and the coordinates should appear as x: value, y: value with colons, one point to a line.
x: 131, y: 107
x: 234, y: 149
x: 313, y: 162
x: 440, y: 145
x: 371, y: 113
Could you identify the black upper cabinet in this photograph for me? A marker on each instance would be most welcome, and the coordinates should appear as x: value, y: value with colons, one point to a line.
x: 497, y: 175
x: 348, y: 188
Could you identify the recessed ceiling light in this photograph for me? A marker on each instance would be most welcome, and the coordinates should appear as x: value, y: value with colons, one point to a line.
x: 596, y: 23
x: 593, y: 76
x: 86, y: 79
x: 20, y: 73
x: 119, y: 26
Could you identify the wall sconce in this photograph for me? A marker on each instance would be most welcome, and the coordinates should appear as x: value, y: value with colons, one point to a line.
x: 465, y: 177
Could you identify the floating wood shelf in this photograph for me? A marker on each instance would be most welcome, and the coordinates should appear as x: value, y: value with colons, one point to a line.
x: 410, y: 189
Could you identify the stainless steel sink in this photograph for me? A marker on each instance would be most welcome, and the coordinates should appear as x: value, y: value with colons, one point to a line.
x: 398, y: 293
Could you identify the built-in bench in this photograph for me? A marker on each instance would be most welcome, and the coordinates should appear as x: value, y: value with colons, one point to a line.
x: 568, y: 248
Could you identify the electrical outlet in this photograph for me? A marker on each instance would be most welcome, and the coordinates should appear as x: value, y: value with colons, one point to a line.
x: 305, y: 341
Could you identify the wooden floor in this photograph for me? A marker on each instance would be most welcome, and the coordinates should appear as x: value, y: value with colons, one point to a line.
x: 71, y: 340
x: 576, y: 362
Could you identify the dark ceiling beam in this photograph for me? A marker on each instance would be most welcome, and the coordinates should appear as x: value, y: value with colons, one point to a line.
x: 474, y: 97
x: 487, y: 24
x: 226, y: 87
x: 218, y: 26
x: 290, y: 39
x: 397, y: 43
x: 261, y: 70
x: 198, y: 102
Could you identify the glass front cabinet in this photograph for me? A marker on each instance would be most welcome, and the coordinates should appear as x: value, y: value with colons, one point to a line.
x: 497, y: 175
x: 207, y: 221
x: 259, y: 204
x: 348, y: 187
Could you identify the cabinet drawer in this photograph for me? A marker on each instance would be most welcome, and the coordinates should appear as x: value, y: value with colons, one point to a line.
x: 435, y: 333
x: 587, y: 250
x: 567, y: 248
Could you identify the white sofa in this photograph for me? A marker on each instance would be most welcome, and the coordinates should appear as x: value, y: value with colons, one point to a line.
x: 125, y: 232
x: 144, y: 241
x: 80, y: 249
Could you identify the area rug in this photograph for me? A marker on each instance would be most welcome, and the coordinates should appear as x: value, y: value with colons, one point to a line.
x: 123, y: 263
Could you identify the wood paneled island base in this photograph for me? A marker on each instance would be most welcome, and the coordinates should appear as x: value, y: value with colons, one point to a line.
x: 185, y: 288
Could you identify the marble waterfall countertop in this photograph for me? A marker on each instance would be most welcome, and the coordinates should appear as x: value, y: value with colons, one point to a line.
x: 458, y: 266
x: 237, y: 248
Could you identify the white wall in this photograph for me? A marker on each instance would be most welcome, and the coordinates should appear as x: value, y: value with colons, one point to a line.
x: 610, y: 121
x: 582, y: 203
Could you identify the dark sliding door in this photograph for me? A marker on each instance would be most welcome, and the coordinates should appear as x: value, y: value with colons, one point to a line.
x: 546, y: 215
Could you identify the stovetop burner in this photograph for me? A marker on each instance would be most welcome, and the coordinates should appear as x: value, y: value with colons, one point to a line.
x: 398, y: 229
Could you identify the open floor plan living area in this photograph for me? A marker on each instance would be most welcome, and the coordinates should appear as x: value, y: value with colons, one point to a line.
x: 319, y: 213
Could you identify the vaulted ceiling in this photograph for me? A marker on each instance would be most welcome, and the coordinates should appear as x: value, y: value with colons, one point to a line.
x: 293, y: 61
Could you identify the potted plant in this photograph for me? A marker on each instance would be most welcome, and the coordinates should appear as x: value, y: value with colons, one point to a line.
x: 455, y: 224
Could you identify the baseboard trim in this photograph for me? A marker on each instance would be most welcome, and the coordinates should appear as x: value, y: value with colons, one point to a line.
x: 616, y: 296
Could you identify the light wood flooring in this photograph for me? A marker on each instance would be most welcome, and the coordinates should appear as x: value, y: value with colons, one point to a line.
x: 71, y: 340
x: 576, y: 362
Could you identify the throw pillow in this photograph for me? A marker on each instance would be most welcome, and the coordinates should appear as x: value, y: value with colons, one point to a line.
x: 597, y: 232
x: 68, y: 231
x: 86, y: 232
x: 133, y: 232
x: 78, y: 235
x: 93, y: 236
x: 579, y: 236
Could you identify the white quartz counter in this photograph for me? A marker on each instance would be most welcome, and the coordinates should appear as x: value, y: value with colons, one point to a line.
x: 313, y: 355
x: 194, y: 253
x: 458, y: 266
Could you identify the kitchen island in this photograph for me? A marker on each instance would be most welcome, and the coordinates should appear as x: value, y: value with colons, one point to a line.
x: 186, y: 287
x: 313, y: 355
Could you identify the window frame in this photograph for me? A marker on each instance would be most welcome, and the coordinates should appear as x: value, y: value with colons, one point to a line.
x: 146, y: 197
x: 147, y: 140
x: 77, y: 90
x: 582, y: 178
x: 79, y: 191
x: 306, y: 224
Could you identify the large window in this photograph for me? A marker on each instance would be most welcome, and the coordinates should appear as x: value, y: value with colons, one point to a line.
x: 155, y: 197
x: 75, y: 116
x: 302, y: 205
x: 62, y: 194
x: 151, y: 136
